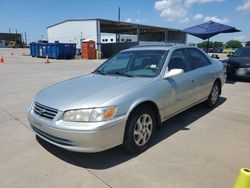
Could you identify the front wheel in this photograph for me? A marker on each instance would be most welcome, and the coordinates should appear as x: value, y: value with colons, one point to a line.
x: 139, y: 130
x: 213, y: 96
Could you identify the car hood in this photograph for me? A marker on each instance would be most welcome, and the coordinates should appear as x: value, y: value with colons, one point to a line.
x: 239, y: 60
x: 87, y: 91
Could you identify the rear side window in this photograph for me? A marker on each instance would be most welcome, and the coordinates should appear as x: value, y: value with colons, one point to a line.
x: 178, y: 60
x: 197, y: 59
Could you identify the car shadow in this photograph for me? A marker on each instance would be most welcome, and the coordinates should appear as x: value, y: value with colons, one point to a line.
x: 231, y: 81
x: 116, y: 156
x: 235, y: 80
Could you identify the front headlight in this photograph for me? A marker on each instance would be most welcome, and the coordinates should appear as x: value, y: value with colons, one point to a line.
x: 90, y: 115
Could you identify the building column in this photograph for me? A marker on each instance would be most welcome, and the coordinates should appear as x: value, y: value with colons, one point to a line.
x: 98, y: 35
x: 138, y: 33
x: 166, y: 36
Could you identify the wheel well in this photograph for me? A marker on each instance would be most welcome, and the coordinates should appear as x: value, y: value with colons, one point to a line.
x: 154, y: 107
x: 219, y: 82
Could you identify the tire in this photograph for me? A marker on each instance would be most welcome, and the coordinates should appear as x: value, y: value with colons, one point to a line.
x: 139, y: 130
x: 213, y: 97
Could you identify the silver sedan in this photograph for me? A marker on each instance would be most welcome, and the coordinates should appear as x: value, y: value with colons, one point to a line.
x: 126, y: 99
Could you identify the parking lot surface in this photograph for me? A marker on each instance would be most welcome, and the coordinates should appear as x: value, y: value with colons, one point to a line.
x: 197, y: 148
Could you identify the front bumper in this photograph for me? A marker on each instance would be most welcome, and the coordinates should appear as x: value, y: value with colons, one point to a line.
x: 79, y: 137
x: 243, y: 72
x: 234, y: 70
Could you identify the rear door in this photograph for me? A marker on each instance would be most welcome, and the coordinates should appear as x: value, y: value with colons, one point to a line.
x: 202, y: 71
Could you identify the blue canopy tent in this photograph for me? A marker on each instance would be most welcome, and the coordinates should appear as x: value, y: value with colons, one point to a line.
x: 209, y: 29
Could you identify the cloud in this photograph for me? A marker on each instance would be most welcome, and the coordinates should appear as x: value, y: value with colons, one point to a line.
x: 177, y: 10
x: 171, y: 9
x: 240, y: 38
x: 245, y: 6
x: 128, y: 20
x: 137, y: 20
x: 191, y: 2
x: 215, y: 19
x: 185, y: 20
x: 198, y: 16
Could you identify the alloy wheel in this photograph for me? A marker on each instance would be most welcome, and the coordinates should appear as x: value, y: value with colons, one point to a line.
x: 143, y: 129
x: 215, y: 94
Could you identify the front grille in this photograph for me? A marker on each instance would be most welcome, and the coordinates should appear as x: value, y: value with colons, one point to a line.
x: 44, y: 111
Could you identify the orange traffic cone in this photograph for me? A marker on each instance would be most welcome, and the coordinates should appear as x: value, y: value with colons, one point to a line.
x: 1, y: 59
x: 47, y: 59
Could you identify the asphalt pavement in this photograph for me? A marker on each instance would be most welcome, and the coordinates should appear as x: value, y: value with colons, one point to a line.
x: 197, y: 148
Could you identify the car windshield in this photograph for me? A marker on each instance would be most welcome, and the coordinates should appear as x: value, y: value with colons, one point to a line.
x: 242, y: 52
x: 142, y: 63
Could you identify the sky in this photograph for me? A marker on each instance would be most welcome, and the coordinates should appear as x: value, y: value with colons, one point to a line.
x: 34, y: 16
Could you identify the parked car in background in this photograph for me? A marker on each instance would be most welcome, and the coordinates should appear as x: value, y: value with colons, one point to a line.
x: 238, y: 64
x: 126, y: 99
x: 218, y: 50
x: 228, y: 51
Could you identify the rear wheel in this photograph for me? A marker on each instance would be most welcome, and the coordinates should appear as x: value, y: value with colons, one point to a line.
x: 213, y: 96
x: 139, y: 130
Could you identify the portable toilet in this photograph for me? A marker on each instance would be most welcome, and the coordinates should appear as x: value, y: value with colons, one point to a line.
x: 88, y: 49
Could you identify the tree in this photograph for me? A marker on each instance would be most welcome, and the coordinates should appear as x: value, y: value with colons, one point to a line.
x: 217, y: 44
x: 248, y: 43
x: 204, y: 44
x: 211, y: 44
x: 233, y: 44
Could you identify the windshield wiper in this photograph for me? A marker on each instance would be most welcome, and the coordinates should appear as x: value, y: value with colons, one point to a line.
x: 121, y: 74
x: 100, y: 72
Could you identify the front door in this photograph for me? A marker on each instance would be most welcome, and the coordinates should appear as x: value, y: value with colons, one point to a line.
x: 182, y: 87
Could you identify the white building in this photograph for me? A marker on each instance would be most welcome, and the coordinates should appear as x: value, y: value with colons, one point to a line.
x: 112, y: 38
x: 110, y: 32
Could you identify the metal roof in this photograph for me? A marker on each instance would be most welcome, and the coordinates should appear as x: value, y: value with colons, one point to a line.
x: 117, y: 23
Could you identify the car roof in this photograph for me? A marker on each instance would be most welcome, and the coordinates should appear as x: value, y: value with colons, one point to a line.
x: 158, y: 47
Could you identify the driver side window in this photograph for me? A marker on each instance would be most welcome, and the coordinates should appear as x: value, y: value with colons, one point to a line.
x: 178, y: 60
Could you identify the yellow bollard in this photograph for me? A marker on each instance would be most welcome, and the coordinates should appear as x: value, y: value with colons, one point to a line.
x: 98, y: 54
x: 243, y: 179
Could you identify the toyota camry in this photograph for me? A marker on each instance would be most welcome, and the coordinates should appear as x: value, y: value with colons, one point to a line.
x: 126, y: 99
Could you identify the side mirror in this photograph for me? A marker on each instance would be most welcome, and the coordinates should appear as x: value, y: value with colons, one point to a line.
x: 173, y: 73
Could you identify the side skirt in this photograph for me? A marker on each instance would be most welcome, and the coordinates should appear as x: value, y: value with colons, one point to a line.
x: 168, y: 117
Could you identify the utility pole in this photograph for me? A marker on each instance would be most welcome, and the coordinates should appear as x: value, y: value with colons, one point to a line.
x: 119, y: 14
x: 9, y: 30
x: 25, y: 38
x: 119, y: 19
x: 22, y: 37
x: 22, y: 40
